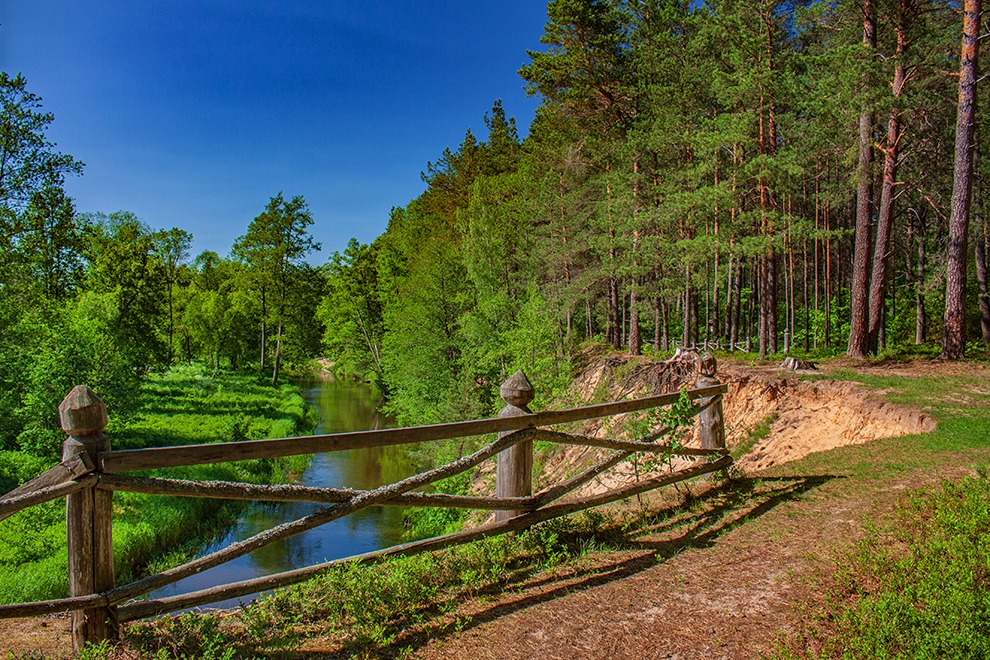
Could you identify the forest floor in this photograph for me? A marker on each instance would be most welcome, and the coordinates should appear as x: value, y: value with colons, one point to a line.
x: 715, y: 570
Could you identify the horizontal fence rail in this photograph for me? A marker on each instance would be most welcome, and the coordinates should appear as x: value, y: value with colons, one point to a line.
x: 129, y: 460
x: 91, y: 472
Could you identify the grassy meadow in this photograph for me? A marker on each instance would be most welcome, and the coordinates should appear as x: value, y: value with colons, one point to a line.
x: 183, y: 406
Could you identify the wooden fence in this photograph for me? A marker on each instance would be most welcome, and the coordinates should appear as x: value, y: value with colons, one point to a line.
x: 91, y: 471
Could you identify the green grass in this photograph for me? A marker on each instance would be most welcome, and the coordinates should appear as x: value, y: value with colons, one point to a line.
x: 184, y: 406
x: 370, y: 608
x: 753, y: 435
x: 916, y: 587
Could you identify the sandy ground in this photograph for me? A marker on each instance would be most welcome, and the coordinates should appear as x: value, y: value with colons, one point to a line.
x: 806, y: 417
x: 803, y: 416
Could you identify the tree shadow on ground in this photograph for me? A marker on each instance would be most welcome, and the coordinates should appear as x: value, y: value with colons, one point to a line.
x: 652, y: 536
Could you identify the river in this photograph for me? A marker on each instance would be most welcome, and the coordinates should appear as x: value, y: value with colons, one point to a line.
x: 344, y: 406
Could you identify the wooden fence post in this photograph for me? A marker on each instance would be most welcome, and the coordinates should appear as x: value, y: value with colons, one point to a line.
x: 514, y: 473
x: 88, y: 518
x: 711, y: 422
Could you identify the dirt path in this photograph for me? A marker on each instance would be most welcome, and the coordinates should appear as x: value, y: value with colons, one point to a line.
x: 721, y: 581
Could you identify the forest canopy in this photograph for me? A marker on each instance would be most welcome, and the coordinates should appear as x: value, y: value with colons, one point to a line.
x: 744, y: 175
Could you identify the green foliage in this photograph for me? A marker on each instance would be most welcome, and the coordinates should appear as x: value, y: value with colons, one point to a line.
x: 426, y: 522
x: 185, y: 637
x: 753, y: 435
x: 917, y: 587
x: 351, y: 311
x: 677, y: 419
x: 372, y: 607
x: 182, y: 406
x: 30, y: 162
x: 273, y: 250
x: 123, y: 267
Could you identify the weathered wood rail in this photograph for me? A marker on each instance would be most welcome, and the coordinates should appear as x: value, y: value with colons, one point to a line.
x: 91, y: 471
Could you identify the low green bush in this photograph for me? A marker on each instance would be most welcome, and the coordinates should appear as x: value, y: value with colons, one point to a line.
x: 917, y: 587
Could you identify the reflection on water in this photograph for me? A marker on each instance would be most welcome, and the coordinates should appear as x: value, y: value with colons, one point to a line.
x: 343, y: 407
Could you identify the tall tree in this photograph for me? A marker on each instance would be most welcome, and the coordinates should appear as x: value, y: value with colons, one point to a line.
x: 859, y: 321
x: 954, y: 335
x: 351, y: 311
x: 172, y: 249
x: 50, y: 242
x: 122, y: 265
x: 274, y: 247
x: 28, y: 160
x: 904, y: 13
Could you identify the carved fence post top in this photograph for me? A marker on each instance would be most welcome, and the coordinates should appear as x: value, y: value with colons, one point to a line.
x: 82, y: 413
x: 707, y: 366
x: 517, y: 390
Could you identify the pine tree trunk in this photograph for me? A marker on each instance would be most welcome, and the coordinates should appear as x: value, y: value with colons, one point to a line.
x: 828, y: 285
x: 921, y: 319
x: 859, y: 321
x: 954, y: 335
x: 610, y: 321
x: 814, y: 245
x: 982, y: 252
x: 729, y: 302
x: 764, y: 314
x: 979, y: 213
x: 807, y: 307
x: 713, y: 315
x: 792, y: 322
x: 882, y: 251
x: 666, y: 326
x: 772, y: 302
x: 622, y: 328
x: 657, y: 336
x: 736, y: 306
x: 695, y: 326
x: 686, y: 329
x: 635, y: 339
x: 754, y: 287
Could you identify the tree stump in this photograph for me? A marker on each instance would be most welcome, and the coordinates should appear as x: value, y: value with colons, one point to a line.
x: 711, y: 421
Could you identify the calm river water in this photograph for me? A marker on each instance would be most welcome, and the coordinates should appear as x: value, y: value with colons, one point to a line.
x: 343, y: 407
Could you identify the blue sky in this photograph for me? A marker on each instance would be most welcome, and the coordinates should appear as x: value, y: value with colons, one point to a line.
x: 194, y: 114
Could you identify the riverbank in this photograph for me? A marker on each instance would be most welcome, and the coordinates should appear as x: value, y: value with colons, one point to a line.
x: 186, y: 405
x: 343, y: 406
x: 750, y: 567
x: 735, y: 570
x: 757, y: 566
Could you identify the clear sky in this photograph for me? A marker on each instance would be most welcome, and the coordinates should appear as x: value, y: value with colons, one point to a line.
x: 194, y: 114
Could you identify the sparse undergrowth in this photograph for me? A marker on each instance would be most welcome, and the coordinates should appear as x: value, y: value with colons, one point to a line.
x: 392, y: 609
x: 916, y: 587
x: 753, y: 435
x: 365, y: 608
